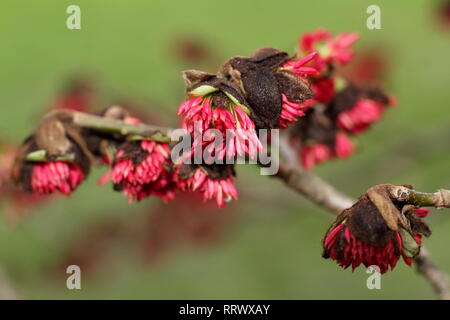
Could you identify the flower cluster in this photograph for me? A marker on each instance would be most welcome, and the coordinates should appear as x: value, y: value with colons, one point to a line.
x: 212, y: 181
x: 142, y: 168
x: 223, y: 114
x: 54, y: 159
x: 266, y: 90
x: 216, y: 111
x: 56, y: 176
x: 331, y: 50
x: 338, y: 108
x: 376, y: 231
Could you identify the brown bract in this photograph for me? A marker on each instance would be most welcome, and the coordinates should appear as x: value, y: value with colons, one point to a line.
x: 256, y: 82
x: 60, y: 139
x: 376, y: 216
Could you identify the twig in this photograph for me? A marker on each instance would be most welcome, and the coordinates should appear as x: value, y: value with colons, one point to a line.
x: 314, y: 188
x: 108, y: 125
x: 439, y: 199
x: 307, y: 184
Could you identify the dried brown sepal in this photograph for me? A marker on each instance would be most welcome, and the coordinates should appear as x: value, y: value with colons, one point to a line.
x: 376, y: 216
x: 193, y: 77
x: 131, y: 150
x: 60, y: 138
x: 316, y: 127
x: 348, y: 97
x: 262, y: 85
x: 197, y: 80
x: 293, y: 87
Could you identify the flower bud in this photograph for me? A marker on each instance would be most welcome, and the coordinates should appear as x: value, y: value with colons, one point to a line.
x: 376, y: 230
x: 143, y: 168
x: 53, y: 159
x: 264, y: 78
x: 213, y: 181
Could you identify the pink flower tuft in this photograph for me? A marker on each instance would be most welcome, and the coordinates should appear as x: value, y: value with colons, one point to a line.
x: 330, y: 50
x: 421, y: 212
x: 361, y: 116
x: 291, y: 110
x: 298, y: 66
x: 199, y: 116
x: 358, y: 252
x: 56, y: 176
x: 341, y: 47
x: 146, y: 174
x: 314, y: 154
x: 343, y: 146
x: 222, y: 189
x: 309, y: 40
x: 323, y: 89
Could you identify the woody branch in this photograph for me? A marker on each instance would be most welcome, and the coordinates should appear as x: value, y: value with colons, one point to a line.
x: 311, y: 187
x: 323, y: 194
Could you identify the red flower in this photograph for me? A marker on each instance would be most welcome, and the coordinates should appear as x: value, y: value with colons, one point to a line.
x: 219, y: 188
x: 330, y: 50
x: 142, y: 169
x: 357, y: 251
x: 323, y: 89
x: 309, y: 40
x: 340, y: 47
x: 291, y: 110
x: 421, y: 212
x: 200, y: 114
x: 360, y: 116
x: 343, y: 146
x: 298, y: 66
x: 164, y: 188
x: 56, y: 176
x: 376, y: 231
x: 310, y: 155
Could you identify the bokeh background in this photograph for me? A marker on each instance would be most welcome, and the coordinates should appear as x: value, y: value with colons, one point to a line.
x: 268, y: 244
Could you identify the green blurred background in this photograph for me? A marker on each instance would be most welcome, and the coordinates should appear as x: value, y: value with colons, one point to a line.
x: 271, y: 249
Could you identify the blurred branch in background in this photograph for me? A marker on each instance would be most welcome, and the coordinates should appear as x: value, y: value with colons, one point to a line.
x: 326, y: 196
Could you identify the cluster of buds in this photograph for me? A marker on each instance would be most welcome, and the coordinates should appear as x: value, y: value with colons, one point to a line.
x: 223, y: 115
x: 377, y: 230
x: 339, y: 108
x: 266, y: 90
x: 143, y: 168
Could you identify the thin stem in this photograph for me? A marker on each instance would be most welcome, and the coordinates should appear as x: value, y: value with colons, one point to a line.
x: 112, y: 126
x: 314, y: 188
x: 438, y: 199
